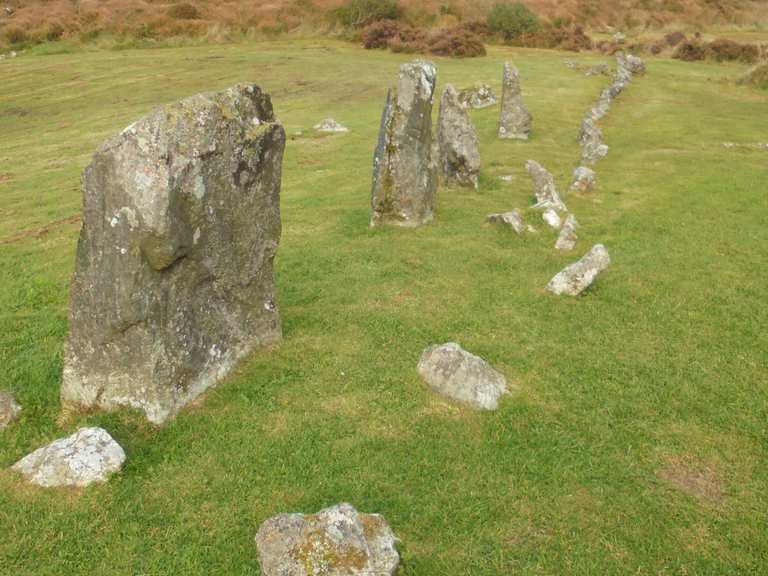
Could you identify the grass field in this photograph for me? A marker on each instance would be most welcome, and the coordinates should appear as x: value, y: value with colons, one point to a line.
x: 636, y: 440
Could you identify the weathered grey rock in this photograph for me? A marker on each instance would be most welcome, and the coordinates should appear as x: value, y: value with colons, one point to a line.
x: 574, y: 279
x: 583, y: 180
x: 552, y: 218
x: 458, y: 145
x: 88, y: 456
x: 601, y: 107
x: 566, y: 241
x: 173, y: 279
x: 477, y: 97
x: 9, y: 409
x: 544, y: 187
x: 631, y: 63
x: 515, y: 121
x: 512, y: 219
x: 404, y: 165
x: 337, y: 541
x: 453, y: 372
x: 598, y: 70
x: 330, y: 125
x: 591, y: 140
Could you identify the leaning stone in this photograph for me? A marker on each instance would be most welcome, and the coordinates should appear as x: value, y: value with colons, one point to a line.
x: 544, y: 187
x: 458, y: 145
x: 578, y: 276
x: 88, y: 456
x: 583, y: 179
x: 512, y: 219
x: 552, y: 218
x: 9, y: 409
x: 173, y: 278
x: 567, y: 239
x: 330, y: 125
x: 337, y: 541
x: 477, y: 97
x: 453, y: 372
x: 591, y: 140
x: 515, y: 121
x: 404, y: 166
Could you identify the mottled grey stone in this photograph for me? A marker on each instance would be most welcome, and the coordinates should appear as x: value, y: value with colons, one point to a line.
x: 552, y: 218
x: 512, y: 219
x: 453, y: 372
x: 404, y: 166
x: 88, y: 456
x: 583, y: 179
x: 515, y: 121
x: 173, y: 278
x: 337, y: 541
x: 566, y: 241
x: 544, y: 187
x: 574, y: 279
x: 593, y: 148
x: 9, y: 409
x: 330, y: 125
x: 477, y: 97
x: 598, y: 70
x: 458, y: 145
x: 631, y: 63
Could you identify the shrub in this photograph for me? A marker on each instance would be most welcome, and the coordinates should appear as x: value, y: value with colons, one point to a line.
x: 573, y: 39
x: 361, y: 13
x: 724, y: 50
x: 378, y: 34
x: 16, y: 35
x: 690, y: 52
x: 184, y: 11
x: 757, y: 77
x: 457, y: 42
x: 54, y: 31
x: 674, y: 38
x: 512, y: 20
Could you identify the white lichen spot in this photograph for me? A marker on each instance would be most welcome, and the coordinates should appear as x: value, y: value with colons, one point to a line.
x: 196, y: 236
x: 123, y: 251
x: 114, y: 222
x: 199, y: 188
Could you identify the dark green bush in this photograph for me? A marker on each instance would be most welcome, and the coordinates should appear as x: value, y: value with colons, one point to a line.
x: 512, y: 20
x: 361, y: 13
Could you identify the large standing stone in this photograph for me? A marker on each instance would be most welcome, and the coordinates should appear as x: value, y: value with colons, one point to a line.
x: 173, y: 278
x: 458, y: 145
x: 9, y: 409
x: 337, y: 541
x: 515, y: 121
x: 404, y: 167
x: 452, y: 371
x: 566, y: 241
x: 544, y: 187
x: 88, y: 456
x: 574, y: 279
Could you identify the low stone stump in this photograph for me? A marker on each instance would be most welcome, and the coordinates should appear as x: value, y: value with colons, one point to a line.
x: 577, y: 277
x: 9, y: 409
x: 512, y: 219
x: 566, y: 241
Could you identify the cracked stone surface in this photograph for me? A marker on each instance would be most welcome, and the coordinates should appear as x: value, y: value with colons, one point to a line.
x: 173, y: 279
x: 89, y: 456
x: 9, y: 409
x: 337, y: 541
x: 515, y: 121
x: 458, y: 144
x: 577, y: 277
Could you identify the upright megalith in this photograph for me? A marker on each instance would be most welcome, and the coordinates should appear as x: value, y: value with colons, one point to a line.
x: 458, y: 144
x: 404, y: 166
x: 173, y: 277
x: 515, y: 121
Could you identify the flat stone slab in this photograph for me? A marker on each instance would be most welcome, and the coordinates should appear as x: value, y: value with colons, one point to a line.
x: 453, y: 372
x: 9, y: 409
x: 577, y: 277
x: 337, y: 541
x: 88, y: 456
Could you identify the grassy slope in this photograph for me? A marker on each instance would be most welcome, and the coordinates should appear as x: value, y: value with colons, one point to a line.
x: 655, y: 376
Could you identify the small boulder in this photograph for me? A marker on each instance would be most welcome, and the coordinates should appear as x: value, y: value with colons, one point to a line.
x: 453, y: 372
x: 544, y: 187
x: 591, y: 140
x: 88, y: 456
x: 477, y: 97
x: 512, y: 219
x: 631, y: 63
x: 577, y: 277
x: 9, y: 409
x: 515, y: 121
x: 337, y: 541
x: 583, y: 179
x: 330, y: 125
x: 458, y: 144
x: 552, y: 218
x: 567, y: 239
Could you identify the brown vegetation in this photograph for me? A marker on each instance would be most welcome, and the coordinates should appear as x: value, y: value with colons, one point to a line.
x: 457, y: 41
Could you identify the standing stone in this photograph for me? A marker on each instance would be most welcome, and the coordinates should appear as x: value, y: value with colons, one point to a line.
x: 516, y: 120
x: 544, y: 187
x: 88, y: 456
x: 477, y: 97
x: 9, y: 409
x: 574, y: 279
x: 337, y: 541
x: 583, y: 179
x: 453, y: 372
x: 567, y: 239
x: 591, y: 140
x: 458, y: 145
x: 173, y: 278
x: 404, y: 167
x: 512, y: 219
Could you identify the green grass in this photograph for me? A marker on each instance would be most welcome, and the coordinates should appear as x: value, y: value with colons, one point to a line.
x: 636, y: 441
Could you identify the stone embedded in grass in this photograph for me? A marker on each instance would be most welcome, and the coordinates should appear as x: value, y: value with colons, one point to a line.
x: 598, y: 70
x: 477, y: 97
x: 9, y: 409
x: 631, y: 63
x: 404, y: 165
x: 458, y: 145
x: 453, y: 372
x: 88, y: 456
x: 512, y: 219
x: 583, y: 179
x: 173, y: 278
x: 552, y: 218
x: 338, y: 541
x: 566, y: 241
x: 544, y: 187
x: 330, y: 125
x: 574, y: 279
x: 591, y: 140
x: 515, y: 121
